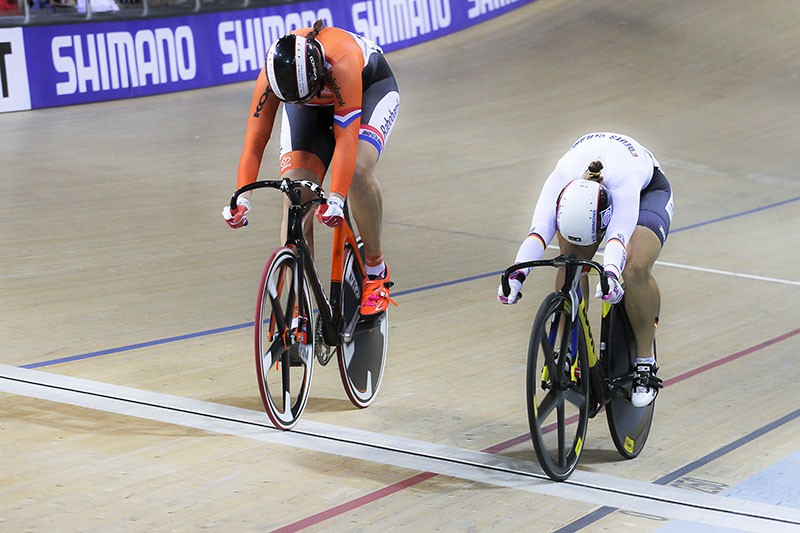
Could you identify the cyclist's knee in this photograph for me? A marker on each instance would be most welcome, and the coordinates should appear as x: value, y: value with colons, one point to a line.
x: 636, y: 272
x: 643, y: 251
x: 364, y: 180
x: 639, y: 271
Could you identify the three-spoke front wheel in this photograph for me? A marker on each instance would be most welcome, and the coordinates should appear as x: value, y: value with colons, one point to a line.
x: 557, y: 388
x: 284, y: 339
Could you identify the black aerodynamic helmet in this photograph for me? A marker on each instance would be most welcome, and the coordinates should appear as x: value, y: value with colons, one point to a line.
x: 295, y: 68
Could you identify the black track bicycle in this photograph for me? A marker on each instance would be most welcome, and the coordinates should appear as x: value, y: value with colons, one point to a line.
x: 569, y: 380
x: 291, y: 332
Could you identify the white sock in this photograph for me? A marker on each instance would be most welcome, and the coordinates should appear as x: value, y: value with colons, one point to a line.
x: 379, y: 270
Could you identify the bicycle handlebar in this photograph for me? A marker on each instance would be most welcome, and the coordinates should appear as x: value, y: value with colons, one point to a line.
x: 285, y: 185
x: 558, y: 262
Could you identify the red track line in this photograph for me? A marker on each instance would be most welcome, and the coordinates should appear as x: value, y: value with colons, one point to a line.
x: 358, y: 502
x: 419, y: 478
x: 731, y: 357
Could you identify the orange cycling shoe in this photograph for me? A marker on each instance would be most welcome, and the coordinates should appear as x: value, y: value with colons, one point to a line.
x: 375, y: 298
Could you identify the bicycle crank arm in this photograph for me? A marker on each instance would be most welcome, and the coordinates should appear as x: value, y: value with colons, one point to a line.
x: 621, y: 384
x: 347, y: 334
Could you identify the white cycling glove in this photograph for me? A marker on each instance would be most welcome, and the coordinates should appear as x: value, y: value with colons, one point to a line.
x: 238, y: 217
x: 615, y: 290
x: 515, y: 281
x: 332, y: 213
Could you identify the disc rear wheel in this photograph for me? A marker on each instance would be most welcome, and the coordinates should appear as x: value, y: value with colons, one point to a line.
x: 362, y: 353
x: 629, y: 426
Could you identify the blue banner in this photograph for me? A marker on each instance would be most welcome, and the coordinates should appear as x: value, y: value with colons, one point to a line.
x: 45, y: 66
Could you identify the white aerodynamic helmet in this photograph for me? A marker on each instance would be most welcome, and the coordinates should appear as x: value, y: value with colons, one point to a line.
x: 583, y: 212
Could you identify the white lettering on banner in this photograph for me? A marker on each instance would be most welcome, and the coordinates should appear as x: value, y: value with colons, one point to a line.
x: 14, y: 88
x: 245, y: 42
x: 114, y: 60
x: 391, y: 21
x: 481, y: 7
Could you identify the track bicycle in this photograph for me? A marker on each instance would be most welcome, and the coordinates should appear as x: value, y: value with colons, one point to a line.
x: 569, y: 380
x: 290, y: 333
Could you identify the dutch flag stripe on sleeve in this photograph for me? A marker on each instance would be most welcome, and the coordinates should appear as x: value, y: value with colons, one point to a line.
x: 345, y: 119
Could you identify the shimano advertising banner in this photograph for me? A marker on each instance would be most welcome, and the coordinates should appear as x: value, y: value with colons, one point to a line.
x: 55, y: 65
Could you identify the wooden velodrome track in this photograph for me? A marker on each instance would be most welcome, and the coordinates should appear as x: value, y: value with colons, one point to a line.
x: 127, y: 384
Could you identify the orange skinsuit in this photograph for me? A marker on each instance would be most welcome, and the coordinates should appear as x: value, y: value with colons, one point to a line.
x: 342, y: 90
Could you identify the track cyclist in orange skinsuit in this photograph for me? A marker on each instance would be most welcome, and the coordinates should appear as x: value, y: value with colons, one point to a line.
x: 340, y: 104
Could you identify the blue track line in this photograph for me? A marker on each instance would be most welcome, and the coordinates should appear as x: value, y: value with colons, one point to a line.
x: 604, y: 511
x: 137, y: 346
x: 225, y: 329
x: 736, y: 215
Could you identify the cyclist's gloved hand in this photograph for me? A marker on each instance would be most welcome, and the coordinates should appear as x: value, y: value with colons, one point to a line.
x: 237, y: 217
x: 515, y: 281
x: 615, y: 290
x: 332, y: 213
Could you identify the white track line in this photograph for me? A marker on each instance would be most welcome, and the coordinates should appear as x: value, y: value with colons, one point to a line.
x: 665, y: 501
x: 716, y: 271
x: 729, y: 273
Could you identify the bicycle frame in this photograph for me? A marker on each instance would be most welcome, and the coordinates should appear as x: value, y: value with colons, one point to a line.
x: 578, y: 315
x: 333, y: 331
x: 569, y: 378
x: 583, y: 322
x: 300, y: 324
x: 343, y: 236
x: 571, y: 289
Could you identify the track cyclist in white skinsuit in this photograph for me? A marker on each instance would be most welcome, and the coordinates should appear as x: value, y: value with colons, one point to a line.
x: 608, y: 184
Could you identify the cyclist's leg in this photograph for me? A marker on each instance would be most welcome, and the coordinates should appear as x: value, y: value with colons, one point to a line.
x: 306, y: 151
x: 380, y: 104
x: 642, y: 303
x: 642, y: 296
x: 366, y: 199
x: 367, y: 209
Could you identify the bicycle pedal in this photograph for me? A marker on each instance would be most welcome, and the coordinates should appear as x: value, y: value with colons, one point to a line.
x: 294, y: 360
x: 294, y: 355
x: 324, y: 354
